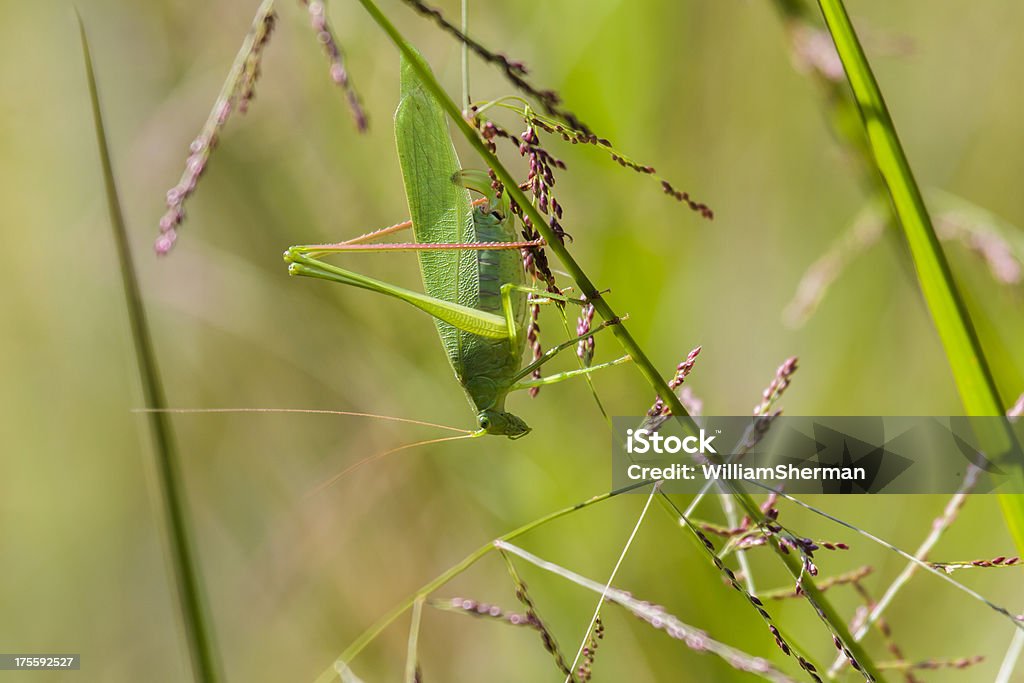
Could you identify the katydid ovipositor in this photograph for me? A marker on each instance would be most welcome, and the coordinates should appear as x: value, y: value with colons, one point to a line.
x: 470, y: 261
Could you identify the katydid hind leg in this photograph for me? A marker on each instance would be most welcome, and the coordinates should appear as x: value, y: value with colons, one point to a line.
x: 465, y: 318
x: 302, y: 261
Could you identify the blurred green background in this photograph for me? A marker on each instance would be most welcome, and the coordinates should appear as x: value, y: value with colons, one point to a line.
x: 704, y: 91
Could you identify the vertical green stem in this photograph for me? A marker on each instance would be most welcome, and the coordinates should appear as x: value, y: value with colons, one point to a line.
x: 466, y: 99
x: 620, y: 331
x: 512, y: 188
x: 412, y: 666
x: 974, y: 380
x: 970, y: 369
x: 198, y: 627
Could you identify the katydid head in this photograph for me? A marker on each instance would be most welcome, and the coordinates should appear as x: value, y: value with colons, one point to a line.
x: 502, y: 424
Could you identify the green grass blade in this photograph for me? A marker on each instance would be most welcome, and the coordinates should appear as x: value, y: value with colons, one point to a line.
x: 586, y: 287
x: 974, y: 380
x: 198, y: 627
x: 367, y: 636
x: 629, y: 344
x: 412, y: 665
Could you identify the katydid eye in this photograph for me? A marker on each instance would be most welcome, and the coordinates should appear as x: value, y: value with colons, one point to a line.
x: 485, y: 422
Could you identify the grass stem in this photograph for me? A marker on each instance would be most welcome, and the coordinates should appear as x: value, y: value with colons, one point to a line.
x: 975, y: 383
x: 206, y: 666
x: 620, y: 331
x: 369, y: 634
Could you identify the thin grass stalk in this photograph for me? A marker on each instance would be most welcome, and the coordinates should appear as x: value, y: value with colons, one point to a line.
x: 975, y: 383
x: 467, y: 101
x: 412, y: 664
x: 367, y: 636
x: 1016, y: 620
x: 939, y: 527
x: 741, y: 555
x: 192, y: 606
x: 1010, y: 660
x: 581, y: 279
x: 694, y: 638
x: 838, y: 102
x: 789, y: 592
x: 621, y: 333
x: 236, y: 85
x: 611, y: 579
x: 907, y: 667
x: 821, y: 63
x: 547, y: 638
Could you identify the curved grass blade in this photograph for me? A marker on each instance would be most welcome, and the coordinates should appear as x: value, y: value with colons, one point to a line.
x: 931, y: 569
x: 621, y: 333
x: 367, y: 636
x: 191, y: 602
x: 658, y: 618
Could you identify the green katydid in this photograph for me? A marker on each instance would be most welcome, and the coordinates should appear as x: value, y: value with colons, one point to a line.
x: 470, y: 260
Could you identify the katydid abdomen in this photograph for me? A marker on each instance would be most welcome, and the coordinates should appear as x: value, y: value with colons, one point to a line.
x: 487, y: 368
